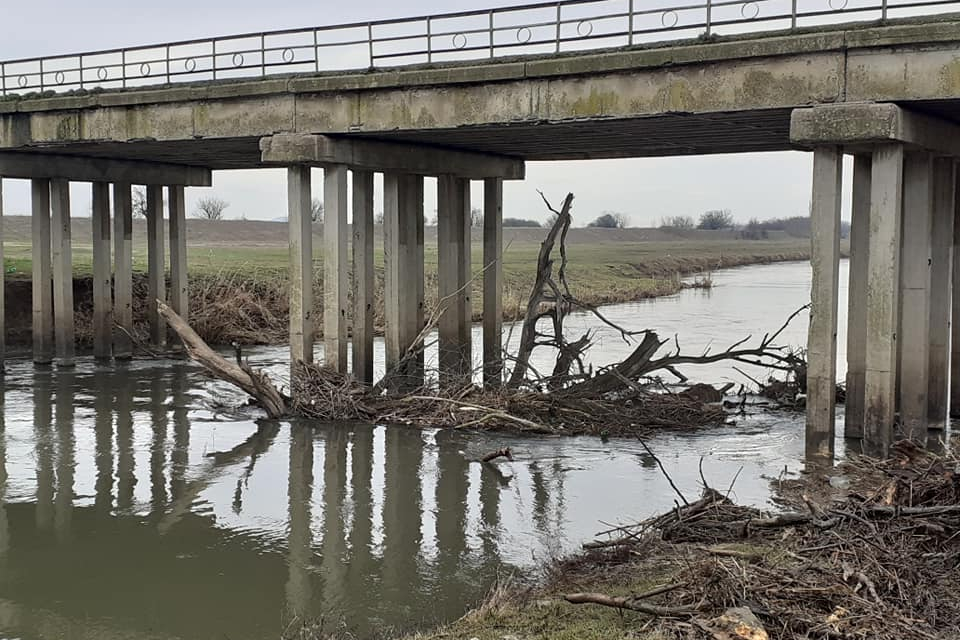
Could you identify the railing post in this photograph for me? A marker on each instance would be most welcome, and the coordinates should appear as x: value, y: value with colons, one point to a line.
x: 709, y: 17
x: 883, y: 10
x: 316, y: 51
x: 214, y: 59
x: 793, y: 15
x: 491, y: 33
x: 167, y: 62
x: 630, y: 27
x: 429, y: 40
x: 123, y: 68
x: 559, y: 8
x: 41, y: 75
x: 3, y: 78
x: 263, y: 55
x: 370, y: 42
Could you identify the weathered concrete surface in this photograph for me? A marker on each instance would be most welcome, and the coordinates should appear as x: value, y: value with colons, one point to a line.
x: 335, y: 273
x: 301, y: 264
x: 857, y: 298
x: 62, y: 271
x: 941, y: 288
x: 123, y: 270
x: 492, y: 282
x: 682, y: 98
x: 363, y: 276
x: 42, y: 276
x: 102, y: 282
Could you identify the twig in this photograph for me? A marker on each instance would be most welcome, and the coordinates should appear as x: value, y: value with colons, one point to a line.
x: 664, y: 471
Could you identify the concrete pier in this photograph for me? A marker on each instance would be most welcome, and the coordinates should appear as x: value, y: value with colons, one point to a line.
x: 955, y: 313
x: 3, y: 278
x: 102, y: 285
x: 179, y: 288
x: 822, y: 337
x: 363, y: 276
x: 914, y: 335
x: 335, y: 274
x: 299, y: 207
x: 42, y: 272
x: 123, y: 270
x: 492, y: 282
x: 941, y: 288
x: 453, y: 277
x: 62, y: 271
x: 156, y: 273
x: 857, y: 297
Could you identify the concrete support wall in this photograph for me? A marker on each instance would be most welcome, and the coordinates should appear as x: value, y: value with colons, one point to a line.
x: 955, y: 313
x: 914, y: 346
x: 299, y: 207
x: 179, y: 290
x: 335, y: 284
x: 492, y: 282
x: 156, y: 273
x: 123, y: 270
x: 62, y: 271
x: 941, y: 267
x: 453, y: 274
x: 857, y: 298
x: 822, y: 338
x: 403, y: 273
x: 42, y: 273
x: 883, y: 276
x: 363, y: 276
x: 102, y: 302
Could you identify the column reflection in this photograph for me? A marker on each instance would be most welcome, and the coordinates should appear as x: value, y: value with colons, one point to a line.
x: 299, y: 591
x: 66, y: 452
x: 44, y: 448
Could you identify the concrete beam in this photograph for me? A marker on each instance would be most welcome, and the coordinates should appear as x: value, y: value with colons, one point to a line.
x: 299, y: 222
x: 883, y: 276
x: 16, y: 164
x: 857, y: 298
x: 363, y: 276
x: 492, y: 282
x: 123, y: 270
x: 62, y: 271
x: 374, y: 155
x: 941, y: 265
x: 862, y: 125
x: 914, y: 337
x: 42, y: 272
x: 179, y: 293
x: 822, y: 337
x: 102, y: 299
x: 335, y: 267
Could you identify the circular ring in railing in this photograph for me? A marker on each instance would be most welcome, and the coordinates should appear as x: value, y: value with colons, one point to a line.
x: 102, y: 73
x: 837, y: 5
x: 669, y: 18
x: 190, y: 64
x: 524, y: 34
x: 22, y: 81
x: 585, y: 28
x: 237, y: 59
x: 287, y: 55
x: 58, y: 77
x: 459, y: 41
x: 750, y: 10
x: 145, y: 69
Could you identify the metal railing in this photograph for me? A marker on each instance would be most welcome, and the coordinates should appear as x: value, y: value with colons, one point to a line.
x: 542, y: 28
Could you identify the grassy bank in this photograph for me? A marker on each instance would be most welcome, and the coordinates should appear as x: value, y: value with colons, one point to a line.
x: 238, y: 279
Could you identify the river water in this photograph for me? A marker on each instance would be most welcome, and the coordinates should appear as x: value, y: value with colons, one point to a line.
x: 140, y: 502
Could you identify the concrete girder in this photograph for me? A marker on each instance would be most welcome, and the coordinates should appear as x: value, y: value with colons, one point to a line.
x: 16, y: 164
x: 862, y: 126
x: 373, y: 155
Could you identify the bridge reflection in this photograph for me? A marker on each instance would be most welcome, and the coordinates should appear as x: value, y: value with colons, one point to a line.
x: 122, y: 514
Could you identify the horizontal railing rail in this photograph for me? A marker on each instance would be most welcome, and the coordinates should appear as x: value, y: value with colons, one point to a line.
x: 542, y: 28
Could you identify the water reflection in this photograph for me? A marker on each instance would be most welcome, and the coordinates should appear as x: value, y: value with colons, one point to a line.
x: 131, y: 506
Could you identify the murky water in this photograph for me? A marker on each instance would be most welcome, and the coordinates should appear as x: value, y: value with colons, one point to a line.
x: 135, y: 504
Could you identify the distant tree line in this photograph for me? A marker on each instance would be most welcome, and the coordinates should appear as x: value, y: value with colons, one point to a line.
x: 755, y: 229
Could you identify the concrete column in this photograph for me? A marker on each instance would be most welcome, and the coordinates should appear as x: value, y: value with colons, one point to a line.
x: 299, y: 206
x: 492, y: 282
x: 857, y: 298
x: 335, y: 287
x: 156, y: 273
x: 941, y: 265
x: 914, y: 335
x: 42, y: 273
x: 403, y: 272
x: 883, y: 276
x: 955, y: 312
x: 822, y: 337
x: 62, y: 271
x: 3, y: 277
x: 453, y: 274
x: 363, y: 280
x: 123, y: 270
x: 179, y: 291
x: 102, y: 303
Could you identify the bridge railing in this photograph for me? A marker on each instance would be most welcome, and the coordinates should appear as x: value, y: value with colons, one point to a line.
x: 542, y: 28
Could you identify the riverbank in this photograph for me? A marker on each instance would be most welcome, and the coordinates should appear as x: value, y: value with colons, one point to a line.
x: 713, y: 569
x: 238, y: 273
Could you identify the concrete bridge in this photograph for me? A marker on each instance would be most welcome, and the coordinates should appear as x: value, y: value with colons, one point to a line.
x: 472, y: 96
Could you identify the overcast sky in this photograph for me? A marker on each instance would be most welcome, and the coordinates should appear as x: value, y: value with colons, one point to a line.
x: 750, y: 185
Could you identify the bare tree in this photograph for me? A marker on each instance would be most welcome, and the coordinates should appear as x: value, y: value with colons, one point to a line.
x: 378, y: 218
x: 316, y: 210
x: 476, y: 218
x: 716, y: 219
x: 610, y: 220
x: 677, y: 222
x: 211, y: 208
x: 139, y: 200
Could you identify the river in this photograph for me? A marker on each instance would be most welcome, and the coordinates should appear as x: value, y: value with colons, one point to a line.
x: 139, y: 502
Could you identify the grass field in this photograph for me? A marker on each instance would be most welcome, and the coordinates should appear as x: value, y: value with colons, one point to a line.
x: 250, y: 258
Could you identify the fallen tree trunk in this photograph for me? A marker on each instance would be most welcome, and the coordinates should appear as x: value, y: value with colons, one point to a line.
x: 255, y: 383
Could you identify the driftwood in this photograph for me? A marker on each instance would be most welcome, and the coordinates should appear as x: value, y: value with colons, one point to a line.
x: 254, y: 382
x: 499, y: 453
x: 635, y: 603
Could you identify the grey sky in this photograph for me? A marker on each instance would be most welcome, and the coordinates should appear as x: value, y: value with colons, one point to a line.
x: 751, y: 185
